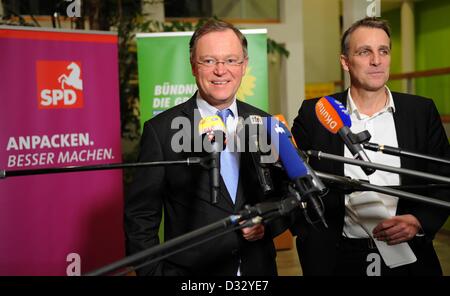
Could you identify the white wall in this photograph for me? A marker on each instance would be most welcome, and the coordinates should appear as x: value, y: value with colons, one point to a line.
x: 310, y: 30
x: 321, y: 35
x: 289, y: 32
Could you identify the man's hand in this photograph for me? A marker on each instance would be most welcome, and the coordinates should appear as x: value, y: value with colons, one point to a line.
x: 397, y: 229
x: 253, y: 233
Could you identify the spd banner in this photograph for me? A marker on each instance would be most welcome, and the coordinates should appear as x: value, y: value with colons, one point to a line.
x: 59, y: 107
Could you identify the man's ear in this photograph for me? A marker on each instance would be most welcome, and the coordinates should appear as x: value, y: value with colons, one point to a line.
x: 193, y: 68
x: 344, y: 62
x: 244, y: 68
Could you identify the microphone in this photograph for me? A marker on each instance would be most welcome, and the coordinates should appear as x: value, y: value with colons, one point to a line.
x: 285, y: 125
x: 334, y: 117
x: 213, y: 130
x: 252, y: 129
x: 315, y: 179
x: 294, y: 165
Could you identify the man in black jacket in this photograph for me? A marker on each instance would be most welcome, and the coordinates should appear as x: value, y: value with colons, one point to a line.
x: 218, y: 56
x: 347, y: 247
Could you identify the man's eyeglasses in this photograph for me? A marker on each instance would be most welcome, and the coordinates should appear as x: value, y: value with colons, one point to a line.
x: 211, y: 62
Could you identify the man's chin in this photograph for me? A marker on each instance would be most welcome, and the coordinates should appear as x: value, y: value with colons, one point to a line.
x: 219, y: 100
x: 375, y: 86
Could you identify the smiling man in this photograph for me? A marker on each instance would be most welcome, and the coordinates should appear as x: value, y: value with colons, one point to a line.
x: 218, y: 60
x: 395, y: 119
x: 218, y: 56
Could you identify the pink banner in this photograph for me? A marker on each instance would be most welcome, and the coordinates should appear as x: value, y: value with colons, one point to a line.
x: 59, y: 107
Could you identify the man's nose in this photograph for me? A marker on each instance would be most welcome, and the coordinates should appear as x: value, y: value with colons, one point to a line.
x: 376, y: 59
x: 220, y: 68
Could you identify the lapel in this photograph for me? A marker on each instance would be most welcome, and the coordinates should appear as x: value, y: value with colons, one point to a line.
x: 243, y: 112
x: 190, y: 110
x: 401, y: 122
x: 403, y: 129
x: 337, y: 143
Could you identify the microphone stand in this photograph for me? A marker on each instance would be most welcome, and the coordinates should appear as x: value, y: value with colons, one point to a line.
x: 262, y: 212
x: 178, y: 241
x: 356, y: 185
x: 319, y: 155
x: 420, y: 187
x: 402, y: 152
x: 15, y: 173
x: 210, y: 162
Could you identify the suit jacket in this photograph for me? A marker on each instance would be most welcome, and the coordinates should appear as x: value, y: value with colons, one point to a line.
x: 419, y: 129
x: 184, y: 193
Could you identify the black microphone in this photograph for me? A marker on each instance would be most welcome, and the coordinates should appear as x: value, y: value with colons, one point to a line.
x: 213, y: 130
x: 252, y: 129
x: 294, y: 166
x: 334, y: 117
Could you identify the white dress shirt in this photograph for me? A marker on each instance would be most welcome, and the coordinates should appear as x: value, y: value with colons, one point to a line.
x: 381, y: 126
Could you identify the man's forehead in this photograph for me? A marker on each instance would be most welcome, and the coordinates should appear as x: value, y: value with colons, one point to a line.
x: 369, y: 37
x: 221, y: 33
x: 227, y: 43
x: 369, y: 32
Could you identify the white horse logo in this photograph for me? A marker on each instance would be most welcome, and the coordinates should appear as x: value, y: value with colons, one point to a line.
x: 74, y: 77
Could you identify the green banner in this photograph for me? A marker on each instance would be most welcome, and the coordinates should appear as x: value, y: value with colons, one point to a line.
x: 165, y: 77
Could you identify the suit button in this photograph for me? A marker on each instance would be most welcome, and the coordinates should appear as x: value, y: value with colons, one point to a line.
x: 235, y: 252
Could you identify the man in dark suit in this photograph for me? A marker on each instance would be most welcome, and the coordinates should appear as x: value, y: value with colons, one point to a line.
x: 394, y: 119
x: 218, y: 56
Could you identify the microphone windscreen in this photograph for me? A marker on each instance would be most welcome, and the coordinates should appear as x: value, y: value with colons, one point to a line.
x: 255, y: 119
x: 254, y: 125
x: 332, y: 114
x: 250, y: 134
x: 283, y: 120
x: 291, y: 160
x: 211, y: 124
